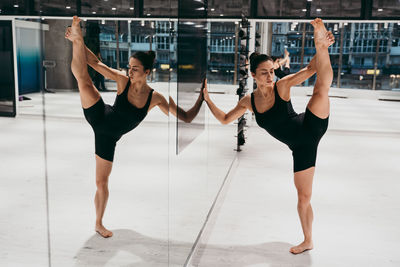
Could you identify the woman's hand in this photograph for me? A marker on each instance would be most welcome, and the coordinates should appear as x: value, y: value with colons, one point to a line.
x: 205, y: 91
x: 330, y: 37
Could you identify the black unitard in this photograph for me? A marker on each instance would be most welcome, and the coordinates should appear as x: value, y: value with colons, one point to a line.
x: 300, y: 132
x: 109, y: 123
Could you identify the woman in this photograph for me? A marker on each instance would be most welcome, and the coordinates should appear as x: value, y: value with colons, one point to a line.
x: 273, y: 110
x: 134, y: 99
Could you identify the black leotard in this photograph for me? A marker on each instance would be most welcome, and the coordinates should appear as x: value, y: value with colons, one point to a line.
x: 300, y: 132
x: 109, y: 123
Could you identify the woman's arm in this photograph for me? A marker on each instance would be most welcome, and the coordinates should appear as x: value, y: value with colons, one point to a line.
x: 287, y: 63
x: 302, y: 75
x: 226, y: 118
x: 101, y: 68
x: 298, y: 77
x: 161, y: 102
x: 186, y: 116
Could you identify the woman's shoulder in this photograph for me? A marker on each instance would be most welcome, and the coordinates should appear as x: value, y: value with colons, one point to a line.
x: 246, y: 100
x: 156, y: 95
x: 122, y: 83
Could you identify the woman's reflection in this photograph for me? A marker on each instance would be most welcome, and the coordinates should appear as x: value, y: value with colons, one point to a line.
x: 135, y: 98
x: 187, y: 116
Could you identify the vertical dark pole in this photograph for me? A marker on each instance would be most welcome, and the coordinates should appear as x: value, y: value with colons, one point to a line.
x: 253, y: 9
x: 308, y: 7
x: 79, y: 7
x: 138, y: 8
x: 192, y: 54
x: 92, y: 40
x: 29, y: 7
x: 366, y: 9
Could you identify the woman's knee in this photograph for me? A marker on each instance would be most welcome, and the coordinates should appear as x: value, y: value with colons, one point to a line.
x: 102, y: 184
x: 322, y: 86
x: 82, y: 76
x: 304, y: 198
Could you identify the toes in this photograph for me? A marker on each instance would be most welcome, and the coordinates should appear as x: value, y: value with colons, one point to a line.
x: 296, y: 250
x: 76, y: 19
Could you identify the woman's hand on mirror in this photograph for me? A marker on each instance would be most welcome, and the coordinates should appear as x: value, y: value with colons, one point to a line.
x: 205, y: 91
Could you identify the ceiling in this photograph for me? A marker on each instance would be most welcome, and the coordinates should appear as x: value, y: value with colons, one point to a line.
x: 263, y: 9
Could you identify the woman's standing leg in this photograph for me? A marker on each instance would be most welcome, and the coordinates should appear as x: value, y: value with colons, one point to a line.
x: 103, y: 170
x: 303, y: 181
x: 319, y: 106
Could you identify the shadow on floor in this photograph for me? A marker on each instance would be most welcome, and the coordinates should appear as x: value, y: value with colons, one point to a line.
x: 271, y: 254
x: 146, y: 251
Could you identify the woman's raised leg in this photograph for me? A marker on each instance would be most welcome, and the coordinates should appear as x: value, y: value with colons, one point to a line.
x: 319, y: 102
x: 88, y: 92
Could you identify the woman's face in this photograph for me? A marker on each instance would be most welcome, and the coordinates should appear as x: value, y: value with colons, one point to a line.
x: 136, y: 70
x: 264, y: 73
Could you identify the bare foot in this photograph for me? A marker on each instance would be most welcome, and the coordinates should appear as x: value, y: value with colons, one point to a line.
x: 103, y: 231
x: 302, y: 247
x: 320, y: 34
x: 74, y: 32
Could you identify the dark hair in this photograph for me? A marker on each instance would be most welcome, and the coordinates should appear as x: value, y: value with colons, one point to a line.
x: 256, y: 59
x: 146, y: 58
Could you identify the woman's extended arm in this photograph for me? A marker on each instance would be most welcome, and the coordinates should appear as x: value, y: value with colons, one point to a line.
x: 119, y: 76
x: 186, y: 116
x: 226, y: 118
x: 161, y: 102
x: 303, y: 74
x: 298, y: 77
x: 101, y: 68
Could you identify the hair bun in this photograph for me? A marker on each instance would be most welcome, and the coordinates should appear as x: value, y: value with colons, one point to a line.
x: 257, y: 58
x: 254, y: 55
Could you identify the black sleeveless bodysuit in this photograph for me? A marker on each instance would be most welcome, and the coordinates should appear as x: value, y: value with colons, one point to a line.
x: 300, y: 132
x: 109, y: 123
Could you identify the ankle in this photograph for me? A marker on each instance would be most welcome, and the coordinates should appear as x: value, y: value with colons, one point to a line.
x: 78, y: 40
x: 308, y: 240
